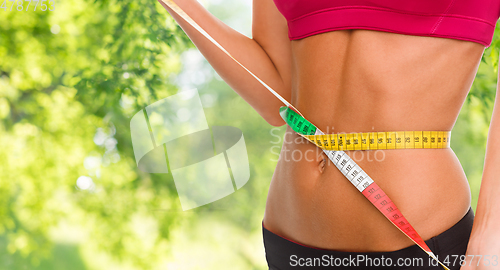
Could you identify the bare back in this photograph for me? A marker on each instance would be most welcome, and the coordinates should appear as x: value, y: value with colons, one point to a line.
x: 361, y: 81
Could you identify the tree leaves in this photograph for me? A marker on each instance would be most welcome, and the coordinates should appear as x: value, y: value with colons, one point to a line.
x: 62, y: 75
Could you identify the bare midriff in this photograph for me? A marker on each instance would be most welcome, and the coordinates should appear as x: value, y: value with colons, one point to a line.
x: 361, y: 81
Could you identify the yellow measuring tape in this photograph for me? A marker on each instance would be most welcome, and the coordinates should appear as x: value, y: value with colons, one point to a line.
x: 382, y: 140
x: 334, y: 144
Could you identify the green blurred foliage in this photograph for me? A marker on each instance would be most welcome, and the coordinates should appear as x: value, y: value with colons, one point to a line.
x: 64, y: 74
x: 70, y: 80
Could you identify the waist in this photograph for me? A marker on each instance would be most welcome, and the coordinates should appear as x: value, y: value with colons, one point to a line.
x: 428, y: 186
x: 364, y: 140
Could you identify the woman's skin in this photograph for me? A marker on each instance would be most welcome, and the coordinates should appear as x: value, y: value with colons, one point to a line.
x: 359, y: 81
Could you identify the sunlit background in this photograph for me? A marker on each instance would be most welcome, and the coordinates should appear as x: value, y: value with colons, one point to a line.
x: 71, y: 196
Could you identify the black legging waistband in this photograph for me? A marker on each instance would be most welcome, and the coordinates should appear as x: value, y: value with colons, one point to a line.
x: 282, y: 253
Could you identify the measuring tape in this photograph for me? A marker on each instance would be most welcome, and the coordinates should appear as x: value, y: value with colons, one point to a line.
x: 366, y: 140
x: 334, y: 144
x: 359, y: 178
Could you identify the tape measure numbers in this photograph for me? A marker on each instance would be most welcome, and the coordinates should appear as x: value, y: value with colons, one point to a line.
x: 359, y: 178
x: 366, y: 140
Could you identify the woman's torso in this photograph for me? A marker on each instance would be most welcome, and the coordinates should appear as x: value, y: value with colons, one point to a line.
x: 361, y: 81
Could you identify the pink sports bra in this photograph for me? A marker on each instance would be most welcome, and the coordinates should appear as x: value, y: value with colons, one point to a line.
x: 471, y: 20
